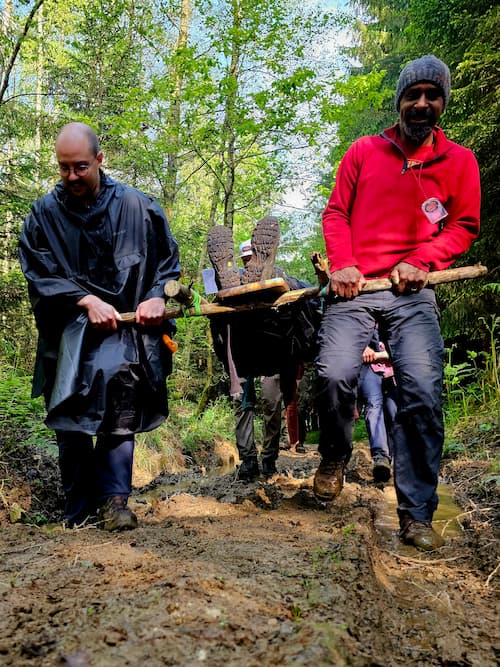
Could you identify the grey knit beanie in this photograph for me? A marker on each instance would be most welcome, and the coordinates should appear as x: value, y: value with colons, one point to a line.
x: 429, y: 69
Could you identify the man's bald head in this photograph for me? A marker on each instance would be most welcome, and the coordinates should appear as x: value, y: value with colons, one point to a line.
x: 80, y: 159
x: 77, y: 132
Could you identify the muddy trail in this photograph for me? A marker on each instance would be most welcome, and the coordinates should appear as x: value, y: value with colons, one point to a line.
x: 223, y: 573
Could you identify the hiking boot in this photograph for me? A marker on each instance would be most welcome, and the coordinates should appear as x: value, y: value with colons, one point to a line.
x: 300, y: 449
x: 268, y: 468
x: 265, y: 241
x: 421, y: 534
x: 249, y: 469
x: 115, y: 515
x: 329, y: 480
x: 220, y: 248
x: 381, y: 468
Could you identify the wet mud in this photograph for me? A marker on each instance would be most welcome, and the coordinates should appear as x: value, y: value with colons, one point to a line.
x: 224, y: 573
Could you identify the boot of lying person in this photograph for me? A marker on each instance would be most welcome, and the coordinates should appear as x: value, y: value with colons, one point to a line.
x: 220, y: 248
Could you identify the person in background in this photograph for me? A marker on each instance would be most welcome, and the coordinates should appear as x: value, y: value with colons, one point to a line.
x: 262, y: 345
x: 376, y: 399
x: 245, y: 410
x: 90, y: 249
x: 245, y: 407
x: 405, y: 202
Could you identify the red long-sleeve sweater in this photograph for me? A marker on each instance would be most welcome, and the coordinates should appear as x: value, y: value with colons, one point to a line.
x: 374, y: 218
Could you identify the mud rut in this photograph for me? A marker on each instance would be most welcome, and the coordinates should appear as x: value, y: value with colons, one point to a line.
x: 224, y: 573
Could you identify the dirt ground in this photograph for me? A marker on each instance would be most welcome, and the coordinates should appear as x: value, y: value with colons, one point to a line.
x: 222, y: 573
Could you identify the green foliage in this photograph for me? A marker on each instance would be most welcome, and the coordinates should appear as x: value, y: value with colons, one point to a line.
x: 296, y: 612
x: 21, y: 417
x: 216, y: 422
x: 312, y: 438
x: 190, y: 362
x: 472, y: 392
x: 12, y: 289
x: 361, y: 109
x: 360, y: 432
x: 17, y: 334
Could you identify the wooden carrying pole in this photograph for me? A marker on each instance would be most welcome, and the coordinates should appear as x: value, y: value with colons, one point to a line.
x: 176, y: 290
x: 380, y: 284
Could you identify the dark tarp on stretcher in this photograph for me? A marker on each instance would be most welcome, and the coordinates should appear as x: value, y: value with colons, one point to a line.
x: 121, y: 250
x: 269, y: 341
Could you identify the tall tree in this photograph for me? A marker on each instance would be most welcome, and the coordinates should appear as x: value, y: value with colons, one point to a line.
x: 176, y: 72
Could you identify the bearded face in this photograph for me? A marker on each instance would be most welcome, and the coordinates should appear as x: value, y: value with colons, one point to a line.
x: 417, y: 124
x: 420, y: 108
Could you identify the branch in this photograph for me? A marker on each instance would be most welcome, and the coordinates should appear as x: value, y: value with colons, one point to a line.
x: 17, y: 47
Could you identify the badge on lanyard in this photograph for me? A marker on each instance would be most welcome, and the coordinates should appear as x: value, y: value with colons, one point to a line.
x: 433, y: 210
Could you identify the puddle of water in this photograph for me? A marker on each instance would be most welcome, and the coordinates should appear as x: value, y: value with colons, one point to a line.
x: 444, y: 521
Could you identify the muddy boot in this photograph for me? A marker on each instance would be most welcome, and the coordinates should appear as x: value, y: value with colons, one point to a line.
x: 249, y: 469
x: 220, y: 248
x: 268, y: 468
x: 381, y: 468
x: 420, y: 534
x: 115, y: 515
x: 329, y: 480
x: 265, y: 241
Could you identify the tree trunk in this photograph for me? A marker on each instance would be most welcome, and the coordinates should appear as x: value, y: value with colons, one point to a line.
x: 228, y: 131
x: 38, y: 96
x: 174, y: 117
x: 7, y: 71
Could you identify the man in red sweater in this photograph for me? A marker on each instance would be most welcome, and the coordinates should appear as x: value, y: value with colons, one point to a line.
x: 405, y: 202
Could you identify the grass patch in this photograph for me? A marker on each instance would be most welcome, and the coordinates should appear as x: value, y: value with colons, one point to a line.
x: 200, y: 432
x: 360, y: 433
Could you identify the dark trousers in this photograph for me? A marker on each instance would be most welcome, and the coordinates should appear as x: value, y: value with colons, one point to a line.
x: 409, y: 324
x: 380, y: 409
x: 90, y: 474
x: 244, y: 411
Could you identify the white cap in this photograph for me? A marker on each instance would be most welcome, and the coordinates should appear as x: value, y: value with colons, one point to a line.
x: 246, y: 248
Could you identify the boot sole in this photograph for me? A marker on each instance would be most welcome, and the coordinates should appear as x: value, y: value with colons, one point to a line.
x: 220, y: 248
x: 265, y: 242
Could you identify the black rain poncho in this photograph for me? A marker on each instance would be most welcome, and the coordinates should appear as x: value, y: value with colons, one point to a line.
x: 121, y: 250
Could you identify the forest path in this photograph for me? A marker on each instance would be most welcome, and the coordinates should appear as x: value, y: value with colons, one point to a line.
x: 221, y: 573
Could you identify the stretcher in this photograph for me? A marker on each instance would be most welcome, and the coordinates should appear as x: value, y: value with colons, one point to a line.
x: 275, y: 293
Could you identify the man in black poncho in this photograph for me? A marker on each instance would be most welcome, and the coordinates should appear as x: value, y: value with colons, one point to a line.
x: 90, y: 249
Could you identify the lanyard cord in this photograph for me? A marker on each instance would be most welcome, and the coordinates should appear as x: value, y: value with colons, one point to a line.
x: 419, y: 177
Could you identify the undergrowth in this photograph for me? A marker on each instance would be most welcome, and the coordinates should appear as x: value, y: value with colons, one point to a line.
x: 472, y: 393
x: 21, y: 417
